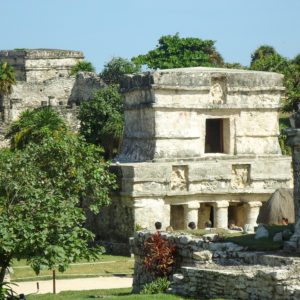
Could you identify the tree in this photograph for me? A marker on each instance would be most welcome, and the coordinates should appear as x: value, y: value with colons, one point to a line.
x: 234, y: 66
x: 176, y: 52
x: 266, y: 58
x: 82, y: 66
x: 33, y: 126
x: 102, y: 119
x: 116, y: 68
x: 296, y: 60
x: 7, y: 78
x: 42, y: 188
x: 262, y: 52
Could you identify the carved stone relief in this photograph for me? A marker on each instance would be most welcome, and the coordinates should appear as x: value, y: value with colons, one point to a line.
x: 179, y: 178
x: 240, y: 176
x: 218, y: 90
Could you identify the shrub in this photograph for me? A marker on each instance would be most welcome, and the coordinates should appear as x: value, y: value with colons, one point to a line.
x: 82, y: 66
x: 6, y: 292
x: 159, y: 255
x: 102, y: 120
x: 160, y: 285
x: 284, y: 123
x: 7, y: 78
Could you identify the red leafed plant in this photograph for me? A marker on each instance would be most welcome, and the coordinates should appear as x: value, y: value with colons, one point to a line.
x: 159, y: 255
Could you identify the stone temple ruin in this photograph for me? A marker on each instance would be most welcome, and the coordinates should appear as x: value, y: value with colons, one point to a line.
x: 199, y: 144
x: 43, y: 80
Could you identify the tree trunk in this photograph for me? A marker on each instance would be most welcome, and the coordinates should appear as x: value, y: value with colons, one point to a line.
x: 2, y: 273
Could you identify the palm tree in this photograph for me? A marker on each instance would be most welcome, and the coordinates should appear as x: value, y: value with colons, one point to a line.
x: 34, y: 125
x: 7, y: 78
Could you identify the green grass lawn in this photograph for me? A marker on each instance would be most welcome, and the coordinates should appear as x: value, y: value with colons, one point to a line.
x: 106, y: 265
x: 123, y: 294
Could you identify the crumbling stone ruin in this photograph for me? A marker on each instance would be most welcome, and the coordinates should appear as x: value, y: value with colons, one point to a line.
x: 43, y: 80
x: 207, y: 269
x: 199, y: 144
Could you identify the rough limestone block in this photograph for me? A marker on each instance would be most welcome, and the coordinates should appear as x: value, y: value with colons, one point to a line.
x: 278, y: 237
x: 203, y: 256
x: 261, y: 232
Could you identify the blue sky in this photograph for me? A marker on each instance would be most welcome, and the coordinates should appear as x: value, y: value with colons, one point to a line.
x: 126, y: 28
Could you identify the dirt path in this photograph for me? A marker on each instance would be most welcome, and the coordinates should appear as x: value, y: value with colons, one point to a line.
x: 79, y: 284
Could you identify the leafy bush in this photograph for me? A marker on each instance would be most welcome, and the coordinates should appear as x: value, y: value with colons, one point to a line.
x: 117, y: 67
x: 102, y: 120
x: 159, y: 255
x: 284, y: 124
x: 7, y: 78
x: 33, y: 126
x: 6, y: 292
x: 160, y: 285
x: 82, y: 66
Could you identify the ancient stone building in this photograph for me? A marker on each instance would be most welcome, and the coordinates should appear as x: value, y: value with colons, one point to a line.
x: 43, y: 79
x: 199, y: 144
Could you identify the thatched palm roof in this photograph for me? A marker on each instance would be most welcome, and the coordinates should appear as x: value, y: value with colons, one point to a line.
x: 280, y: 205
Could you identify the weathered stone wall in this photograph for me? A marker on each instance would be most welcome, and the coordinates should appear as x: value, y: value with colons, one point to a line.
x: 200, y: 144
x: 43, y: 80
x: 55, y: 92
x: 153, y: 191
x: 207, y: 269
x: 37, y: 65
x: 252, y: 282
x: 166, y: 112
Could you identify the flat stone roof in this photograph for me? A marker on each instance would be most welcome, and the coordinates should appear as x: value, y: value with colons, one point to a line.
x: 201, y: 78
x: 40, y: 53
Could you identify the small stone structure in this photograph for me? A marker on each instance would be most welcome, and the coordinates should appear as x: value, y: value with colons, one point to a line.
x: 199, y: 144
x: 207, y: 270
x: 43, y: 80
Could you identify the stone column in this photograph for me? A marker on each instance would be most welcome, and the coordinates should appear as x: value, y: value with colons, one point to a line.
x: 221, y: 214
x: 293, y: 140
x: 191, y: 213
x: 252, y: 213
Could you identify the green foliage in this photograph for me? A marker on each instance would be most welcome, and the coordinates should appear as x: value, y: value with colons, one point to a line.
x: 265, y: 58
x: 176, y: 52
x: 7, y: 78
x: 160, y: 285
x: 33, y: 126
x: 292, y: 85
x: 115, y: 294
x: 116, y: 68
x: 42, y: 192
x: 284, y: 124
x: 6, y: 291
x: 102, y: 119
x: 138, y: 227
x: 234, y: 66
x: 159, y: 255
x: 262, y: 52
x: 82, y: 66
x: 296, y: 60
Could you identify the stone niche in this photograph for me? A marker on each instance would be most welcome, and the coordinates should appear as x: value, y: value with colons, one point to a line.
x: 200, y: 144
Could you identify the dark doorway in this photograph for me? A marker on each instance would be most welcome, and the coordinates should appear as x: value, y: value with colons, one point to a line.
x: 212, y: 216
x: 177, y: 215
x: 214, y: 136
